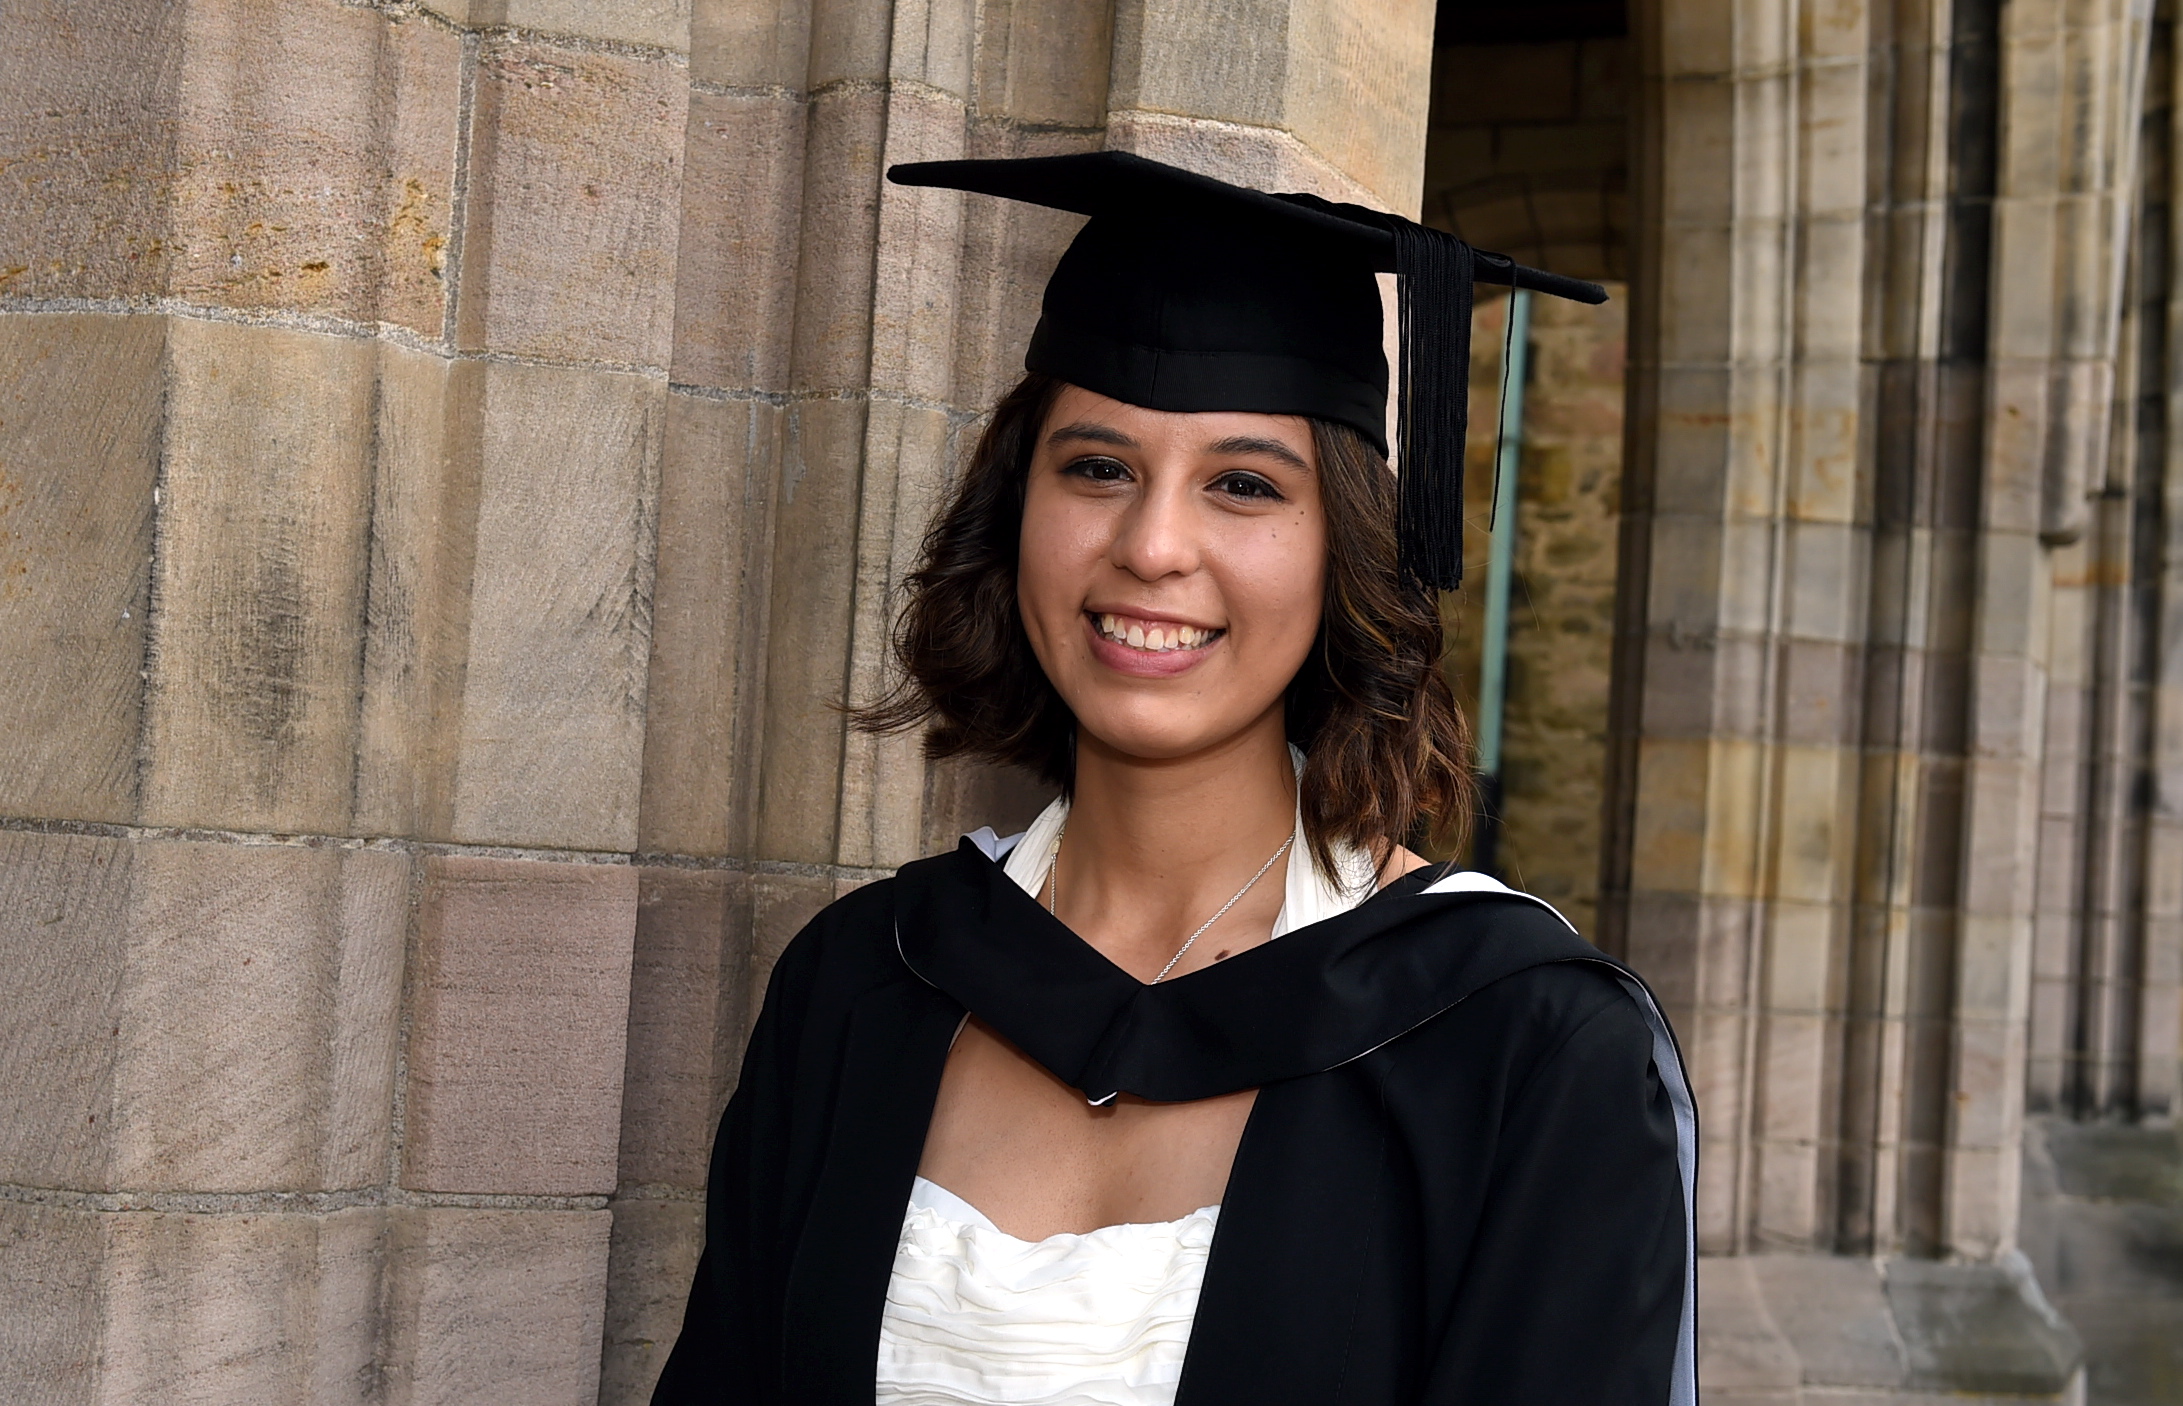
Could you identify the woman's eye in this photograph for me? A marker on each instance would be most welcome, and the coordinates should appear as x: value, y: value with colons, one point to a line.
x: 1241, y: 485
x: 1098, y: 469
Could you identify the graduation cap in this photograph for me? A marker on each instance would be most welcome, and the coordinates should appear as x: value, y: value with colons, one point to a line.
x: 1186, y: 293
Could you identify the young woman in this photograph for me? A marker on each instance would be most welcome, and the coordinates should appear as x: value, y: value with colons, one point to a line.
x: 1206, y: 1089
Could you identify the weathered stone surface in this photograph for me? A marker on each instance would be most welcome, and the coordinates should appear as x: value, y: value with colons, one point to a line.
x: 843, y: 151
x: 653, y: 1258
x: 576, y: 156
x: 87, y: 138
x: 212, y: 1017
x: 2103, y: 1225
x: 259, y: 587
x: 808, y: 629
x: 430, y: 438
x: 50, y: 1261
x: 79, y: 454
x: 551, y: 747
x: 63, y: 928
x: 260, y: 1000
x: 1743, y: 1359
x: 1350, y: 88
x: 518, y: 1026
x: 316, y: 161
x: 1561, y: 625
x: 735, y: 280
x: 242, y: 1307
x: 751, y: 43
x: 1981, y: 1328
x: 687, y: 1000
x: 883, y: 777
x: 660, y: 23
x: 496, y: 1306
x: 718, y: 470
x: 1833, y: 1310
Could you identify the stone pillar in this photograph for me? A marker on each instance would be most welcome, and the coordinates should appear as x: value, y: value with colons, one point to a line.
x: 1877, y: 280
x: 454, y: 457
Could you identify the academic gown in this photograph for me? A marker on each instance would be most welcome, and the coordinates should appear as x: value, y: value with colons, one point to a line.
x: 1466, y: 1177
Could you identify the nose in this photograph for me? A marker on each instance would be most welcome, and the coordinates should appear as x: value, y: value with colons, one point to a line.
x: 1157, y: 535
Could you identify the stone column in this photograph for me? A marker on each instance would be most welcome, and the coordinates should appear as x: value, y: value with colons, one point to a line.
x: 454, y: 458
x: 1878, y: 275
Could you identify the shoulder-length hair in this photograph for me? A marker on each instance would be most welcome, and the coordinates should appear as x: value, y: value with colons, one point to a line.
x: 1386, y: 750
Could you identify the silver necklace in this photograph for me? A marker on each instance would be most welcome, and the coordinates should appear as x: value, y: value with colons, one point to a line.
x: 1053, y: 895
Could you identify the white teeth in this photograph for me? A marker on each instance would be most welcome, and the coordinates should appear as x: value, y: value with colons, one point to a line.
x: 1160, y: 639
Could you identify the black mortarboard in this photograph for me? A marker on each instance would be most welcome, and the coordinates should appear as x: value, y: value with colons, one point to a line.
x: 1186, y: 293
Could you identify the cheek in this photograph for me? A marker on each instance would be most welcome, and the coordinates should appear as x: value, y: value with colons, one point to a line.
x: 1056, y: 542
x: 1279, y: 590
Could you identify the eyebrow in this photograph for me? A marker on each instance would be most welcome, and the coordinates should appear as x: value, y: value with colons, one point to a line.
x: 1096, y: 433
x: 1271, y: 448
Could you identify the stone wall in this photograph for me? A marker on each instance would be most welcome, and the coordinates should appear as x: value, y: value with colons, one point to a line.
x: 1562, y: 612
x: 453, y: 460
x: 1528, y: 152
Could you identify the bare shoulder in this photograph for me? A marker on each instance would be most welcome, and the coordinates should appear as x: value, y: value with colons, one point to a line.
x: 1400, y: 861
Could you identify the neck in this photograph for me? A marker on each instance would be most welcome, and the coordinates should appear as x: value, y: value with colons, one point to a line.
x: 1155, y: 847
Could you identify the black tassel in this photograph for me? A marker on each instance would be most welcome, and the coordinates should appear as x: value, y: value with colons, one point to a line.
x: 1432, y: 401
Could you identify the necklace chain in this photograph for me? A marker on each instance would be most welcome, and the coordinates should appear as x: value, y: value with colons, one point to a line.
x: 1053, y: 895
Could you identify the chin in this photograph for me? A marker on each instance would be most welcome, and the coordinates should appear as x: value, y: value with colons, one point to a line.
x: 1160, y: 738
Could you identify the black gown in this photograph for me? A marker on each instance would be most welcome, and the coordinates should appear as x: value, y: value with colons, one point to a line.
x: 1466, y: 1178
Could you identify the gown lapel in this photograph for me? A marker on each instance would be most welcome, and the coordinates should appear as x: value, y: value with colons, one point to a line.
x: 893, y: 1056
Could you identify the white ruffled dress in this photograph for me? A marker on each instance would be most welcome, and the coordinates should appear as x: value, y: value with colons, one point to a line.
x: 977, y: 1317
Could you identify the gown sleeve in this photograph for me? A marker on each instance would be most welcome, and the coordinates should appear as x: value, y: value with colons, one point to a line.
x: 731, y: 1324
x: 1573, y: 1289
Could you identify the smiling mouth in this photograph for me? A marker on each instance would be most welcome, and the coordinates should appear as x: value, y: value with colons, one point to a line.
x: 1155, y: 639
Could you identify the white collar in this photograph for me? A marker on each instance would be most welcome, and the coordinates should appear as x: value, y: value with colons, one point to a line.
x: 1309, y: 897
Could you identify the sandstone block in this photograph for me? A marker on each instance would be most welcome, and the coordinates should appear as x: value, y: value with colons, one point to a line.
x: 213, y: 1309
x: 518, y: 1027
x: 261, y: 568
x: 687, y: 1001
x: 653, y: 1257
x: 63, y: 932
x: 1159, y: 54
x: 87, y: 158
x: 1740, y: 1349
x: 961, y: 795
x: 576, y: 162
x: 316, y: 155
x: 883, y: 778
x: 751, y: 43
x: 49, y: 1279
x: 844, y: 150
x: 552, y: 729
x: 663, y: 24
x: 1045, y: 65
x: 260, y: 1000
x: 79, y: 454
x: 718, y: 469
x: 417, y: 614
x: 1834, y: 1314
x: 918, y: 259
x: 808, y: 630
x: 735, y: 282
x: 497, y: 1306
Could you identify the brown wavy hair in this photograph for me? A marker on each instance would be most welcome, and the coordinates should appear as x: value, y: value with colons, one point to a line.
x: 1386, y: 750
